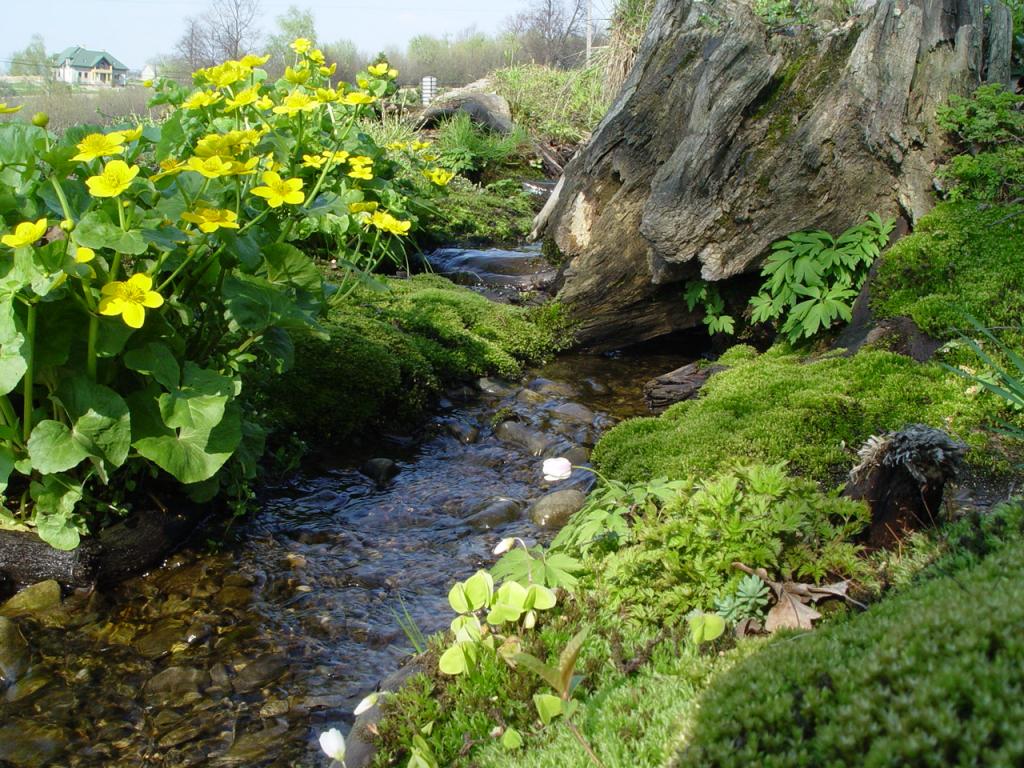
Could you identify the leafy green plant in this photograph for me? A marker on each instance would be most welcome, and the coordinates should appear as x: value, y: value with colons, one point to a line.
x: 465, y: 147
x: 563, y: 681
x: 699, y: 292
x: 705, y: 627
x: 812, y: 277
x: 146, y: 271
x: 1006, y: 382
x: 749, y: 601
x: 681, y: 550
x: 548, y: 568
x: 511, y: 603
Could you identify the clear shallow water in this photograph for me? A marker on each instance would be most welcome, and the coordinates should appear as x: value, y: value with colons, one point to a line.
x: 241, y: 657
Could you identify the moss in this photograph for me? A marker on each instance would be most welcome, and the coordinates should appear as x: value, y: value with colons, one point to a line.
x: 929, y: 677
x: 390, y: 353
x: 781, y: 406
x: 501, y: 212
x: 963, y: 260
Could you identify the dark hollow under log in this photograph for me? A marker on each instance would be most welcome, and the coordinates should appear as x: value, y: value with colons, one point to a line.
x: 902, y: 476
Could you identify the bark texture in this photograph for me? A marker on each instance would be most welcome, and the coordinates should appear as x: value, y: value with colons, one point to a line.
x: 728, y: 136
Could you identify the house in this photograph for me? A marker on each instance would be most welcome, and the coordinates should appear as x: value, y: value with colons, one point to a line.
x: 80, y: 66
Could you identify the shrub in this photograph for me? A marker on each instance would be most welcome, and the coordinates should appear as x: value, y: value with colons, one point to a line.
x: 989, y: 176
x: 930, y: 677
x: 781, y: 406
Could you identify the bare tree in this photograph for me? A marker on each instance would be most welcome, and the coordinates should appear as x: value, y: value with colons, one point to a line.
x: 551, y: 31
x: 226, y: 31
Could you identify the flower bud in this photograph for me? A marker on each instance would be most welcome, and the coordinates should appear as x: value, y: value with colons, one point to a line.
x: 67, y: 225
x: 40, y: 119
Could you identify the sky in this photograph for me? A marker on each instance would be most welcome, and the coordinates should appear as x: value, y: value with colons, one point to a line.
x: 135, y: 31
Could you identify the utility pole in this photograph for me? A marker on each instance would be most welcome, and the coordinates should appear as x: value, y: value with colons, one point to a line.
x: 590, y: 29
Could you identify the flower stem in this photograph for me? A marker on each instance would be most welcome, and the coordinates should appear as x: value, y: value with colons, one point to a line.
x: 94, y: 328
x: 29, y: 380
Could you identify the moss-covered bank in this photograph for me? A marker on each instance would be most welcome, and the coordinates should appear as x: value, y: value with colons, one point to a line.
x: 390, y: 352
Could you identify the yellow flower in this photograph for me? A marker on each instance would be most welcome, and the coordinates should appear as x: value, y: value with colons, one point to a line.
x: 362, y: 82
x: 362, y: 172
x: 238, y: 168
x: 252, y: 61
x: 279, y: 191
x: 116, y: 177
x: 363, y: 207
x: 419, y: 146
x: 360, y: 160
x: 356, y: 99
x: 313, y: 161
x: 379, y: 70
x: 213, y: 144
x: 211, y: 219
x: 296, y: 102
x: 97, y: 145
x: 335, y: 157
x: 211, y: 167
x: 243, y: 99
x: 169, y: 167
x: 223, y: 75
x: 398, y: 146
x: 385, y: 222
x: 201, y: 99
x: 264, y: 103
x: 392, y: 73
x: 5, y: 110
x: 326, y: 95
x: 130, y: 299
x: 316, y: 56
x: 25, y: 233
x: 328, y: 71
x: 147, y: 83
x: 301, y: 44
x: 84, y: 255
x: 133, y: 135
x: 297, y: 76
x: 439, y: 176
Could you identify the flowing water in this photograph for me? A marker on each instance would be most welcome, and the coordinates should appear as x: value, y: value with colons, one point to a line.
x: 241, y: 656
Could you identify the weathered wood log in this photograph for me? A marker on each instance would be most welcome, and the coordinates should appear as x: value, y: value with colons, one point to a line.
x: 135, y: 545
x: 729, y: 135
x: 902, y: 476
x: 678, y: 385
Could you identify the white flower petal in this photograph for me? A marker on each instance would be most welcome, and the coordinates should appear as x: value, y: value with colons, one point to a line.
x: 366, y: 704
x: 333, y: 744
x: 504, y: 546
x: 557, y: 469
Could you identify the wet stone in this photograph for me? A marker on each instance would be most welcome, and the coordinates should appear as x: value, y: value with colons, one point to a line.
x: 551, y: 388
x: 495, y: 387
x: 161, y: 639
x: 529, y: 397
x: 466, y: 434
x: 493, y: 513
x: 175, y: 682
x: 27, y: 744
x: 574, y: 412
x: 259, y: 672
x: 14, y: 652
x: 37, y: 598
x: 27, y: 686
x: 554, y: 509
x: 233, y: 597
x: 517, y: 434
x: 380, y: 470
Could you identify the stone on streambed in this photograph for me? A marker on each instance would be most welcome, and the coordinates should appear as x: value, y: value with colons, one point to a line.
x: 25, y: 744
x: 174, y: 683
x: 495, y: 387
x: 494, y: 512
x: 529, y: 397
x: 554, y: 509
x: 259, y: 672
x: 14, y: 652
x: 466, y: 434
x: 514, y: 432
x: 574, y: 412
x: 380, y: 470
x: 34, y: 599
x: 551, y: 388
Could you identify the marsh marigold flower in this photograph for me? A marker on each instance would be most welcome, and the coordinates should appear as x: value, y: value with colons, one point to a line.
x: 24, y: 234
x: 97, y: 145
x: 296, y: 102
x: 133, y: 135
x: 278, y: 191
x: 169, y: 167
x: 439, y: 176
x: 385, y: 222
x: 211, y: 167
x: 313, y: 161
x: 84, y: 255
x: 379, y: 70
x: 243, y: 99
x: 5, y: 110
x: 301, y: 44
x: 211, y: 219
x: 357, y: 98
x: 299, y: 75
x: 251, y: 61
x: 130, y: 299
x: 201, y: 99
x: 116, y: 177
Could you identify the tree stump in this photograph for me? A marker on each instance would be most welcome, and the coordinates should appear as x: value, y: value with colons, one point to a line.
x: 902, y: 476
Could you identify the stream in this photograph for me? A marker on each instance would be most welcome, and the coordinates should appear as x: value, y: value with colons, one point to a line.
x: 241, y: 653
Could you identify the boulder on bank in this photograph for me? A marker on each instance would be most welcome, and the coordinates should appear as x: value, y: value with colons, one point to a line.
x: 730, y: 135
x: 479, y: 100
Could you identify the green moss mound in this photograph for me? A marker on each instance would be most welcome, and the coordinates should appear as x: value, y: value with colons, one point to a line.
x: 389, y: 353
x: 501, y: 212
x: 930, y: 677
x: 780, y: 406
x: 964, y: 259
